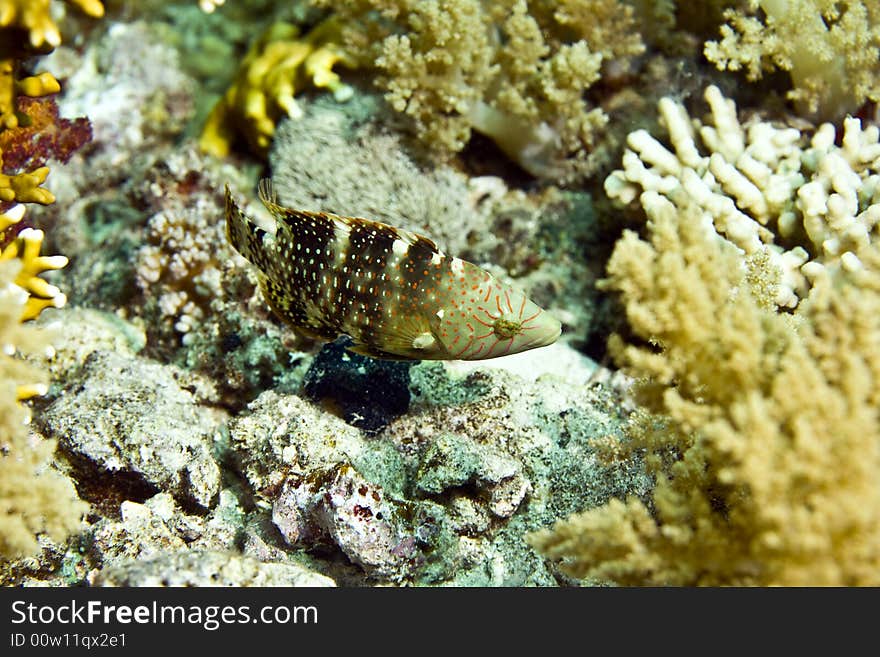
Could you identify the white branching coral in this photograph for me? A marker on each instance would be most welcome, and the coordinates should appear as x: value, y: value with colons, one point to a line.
x: 800, y: 201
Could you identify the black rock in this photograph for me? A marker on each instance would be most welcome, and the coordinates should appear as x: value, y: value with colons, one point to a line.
x: 366, y: 392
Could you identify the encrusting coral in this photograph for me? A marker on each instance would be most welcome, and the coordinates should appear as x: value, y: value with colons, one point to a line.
x: 777, y: 193
x: 831, y: 49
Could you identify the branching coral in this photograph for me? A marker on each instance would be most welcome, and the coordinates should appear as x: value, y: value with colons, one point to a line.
x: 831, y: 49
x: 180, y: 265
x: 766, y: 442
x: 34, y: 17
x: 34, y: 499
x: 801, y: 202
x: 514, y: 71
x: 26, y: 248
x: 278, y: 66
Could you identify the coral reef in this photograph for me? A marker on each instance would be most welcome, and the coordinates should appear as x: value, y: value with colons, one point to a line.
x: 831, y: 50
x: 129, y: 71
x: 745, y: 304
x: 444, y: 492
x: 192, y: 568
x: 785, y: 197
x: 339, y: 158
x: 37, y: 501
x: 766, y: 443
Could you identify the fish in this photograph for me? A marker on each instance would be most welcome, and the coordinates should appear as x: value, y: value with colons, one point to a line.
x: 392, y: 291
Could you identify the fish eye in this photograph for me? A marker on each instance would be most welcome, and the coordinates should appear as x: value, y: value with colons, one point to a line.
x: 505, y: 329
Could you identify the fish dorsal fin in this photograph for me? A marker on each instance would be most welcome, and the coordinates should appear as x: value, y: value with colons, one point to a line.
x: 243, y: 234
x: 267, y: 193
x: 295, y: 219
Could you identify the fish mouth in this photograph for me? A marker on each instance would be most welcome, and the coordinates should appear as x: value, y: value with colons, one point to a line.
x: 544, y: 333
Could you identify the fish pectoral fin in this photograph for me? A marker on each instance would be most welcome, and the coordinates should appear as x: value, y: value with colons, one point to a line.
x: 411, y: 339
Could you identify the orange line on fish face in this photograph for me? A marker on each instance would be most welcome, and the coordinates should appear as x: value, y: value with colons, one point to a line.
x: 466, y: 347
x: 532, y: 317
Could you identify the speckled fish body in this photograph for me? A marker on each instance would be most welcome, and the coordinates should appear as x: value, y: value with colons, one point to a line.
x: 392, y: 291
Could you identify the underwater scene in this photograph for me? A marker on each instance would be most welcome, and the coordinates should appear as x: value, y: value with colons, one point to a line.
x: 439, y: 293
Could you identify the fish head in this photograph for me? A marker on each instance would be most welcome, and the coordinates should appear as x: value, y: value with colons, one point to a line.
x: 500, y: 321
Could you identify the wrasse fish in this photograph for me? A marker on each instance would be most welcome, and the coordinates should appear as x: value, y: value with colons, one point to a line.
x: 392, y: 291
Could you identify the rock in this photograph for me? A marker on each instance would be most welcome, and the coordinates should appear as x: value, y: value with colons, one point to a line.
x: 192, y: 568
x: 367, y: 392
x: 339, y: 506
x: 452, y: 461
x: 124, y: 417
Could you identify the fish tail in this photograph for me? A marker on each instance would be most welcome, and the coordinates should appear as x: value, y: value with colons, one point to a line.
x: 245, y: 236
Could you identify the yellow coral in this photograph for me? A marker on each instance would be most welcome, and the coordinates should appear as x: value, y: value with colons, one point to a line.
x: 277, y: 67
x: 25, y: 187
x: 41, y: 295
x: 34, y: 17
x: 37, y: 85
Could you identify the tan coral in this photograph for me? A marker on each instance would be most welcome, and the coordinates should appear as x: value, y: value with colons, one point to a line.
x: 765, y: 442
x: 514, y: 71
x: 34, y: 498
x: 830, y: 48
